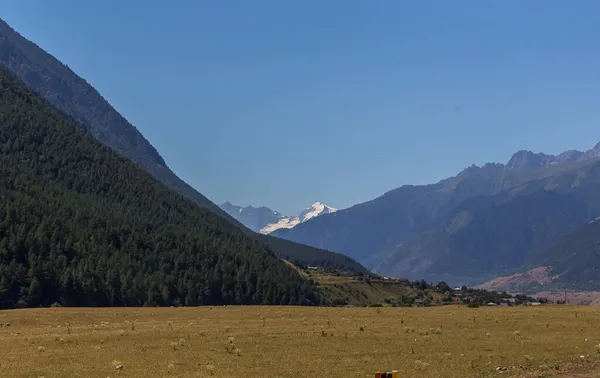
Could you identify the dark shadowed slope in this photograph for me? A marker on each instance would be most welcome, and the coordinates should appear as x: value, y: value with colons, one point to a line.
x: 81, y: 225
x: 575, y: 260
x: 488, y: 236
x: 572, y: 263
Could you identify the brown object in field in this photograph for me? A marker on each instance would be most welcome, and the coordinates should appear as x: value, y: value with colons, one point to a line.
x: 377, y: 374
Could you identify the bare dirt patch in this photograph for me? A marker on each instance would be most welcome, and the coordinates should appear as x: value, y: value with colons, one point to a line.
x: 515, y: 282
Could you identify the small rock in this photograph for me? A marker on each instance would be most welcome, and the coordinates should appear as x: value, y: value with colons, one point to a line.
x: 119, y: 367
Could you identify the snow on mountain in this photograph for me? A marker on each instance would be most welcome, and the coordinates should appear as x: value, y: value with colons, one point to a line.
x: 312, y: 211
x: 265, y: 220
x: 285, y: 222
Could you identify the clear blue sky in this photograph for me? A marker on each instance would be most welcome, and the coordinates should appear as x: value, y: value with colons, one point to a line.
x: 283, y: 103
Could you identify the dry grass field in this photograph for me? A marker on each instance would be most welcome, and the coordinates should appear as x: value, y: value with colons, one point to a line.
x: 449, y: 341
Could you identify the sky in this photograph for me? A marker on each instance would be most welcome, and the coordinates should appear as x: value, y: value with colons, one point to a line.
x: 283, y: 104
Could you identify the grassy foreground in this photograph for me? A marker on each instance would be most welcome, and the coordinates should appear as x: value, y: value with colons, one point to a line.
x: 449, y: 341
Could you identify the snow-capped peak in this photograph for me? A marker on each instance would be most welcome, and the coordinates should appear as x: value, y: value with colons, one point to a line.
x: 314, y: 210
x: 265, y: 220
x: 310, y: 212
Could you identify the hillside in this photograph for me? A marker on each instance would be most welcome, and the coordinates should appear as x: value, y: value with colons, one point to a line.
x: 572, y: 263
x: 306, y: 255
x: 82, y: 226
x: 465, y: 229
x: 484, y: 237
x: 80, y: 101
x: 348, y: 289
x: 370, y: 227
x: 77, y: 99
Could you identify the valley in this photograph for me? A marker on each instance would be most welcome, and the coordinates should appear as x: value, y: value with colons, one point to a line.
x: 487, y: 221
x: 283, y: 341
x: 111, y: 264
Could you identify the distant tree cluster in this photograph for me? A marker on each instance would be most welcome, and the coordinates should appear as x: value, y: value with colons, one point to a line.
x: 305, y: 255
x: 82, y: 226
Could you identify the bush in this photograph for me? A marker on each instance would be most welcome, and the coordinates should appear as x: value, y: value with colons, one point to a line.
x: 443, y: 287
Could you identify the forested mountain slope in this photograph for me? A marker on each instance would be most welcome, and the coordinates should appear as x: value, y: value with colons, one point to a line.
x: 75, y: 97
x: 82, y: 226
x: 80, y: 101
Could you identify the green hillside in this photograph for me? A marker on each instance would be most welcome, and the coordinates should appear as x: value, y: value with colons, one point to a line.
x: 83, y: 226
x: 79, y: 100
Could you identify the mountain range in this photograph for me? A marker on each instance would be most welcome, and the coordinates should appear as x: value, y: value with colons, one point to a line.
x: 486, y: 221
x: 80, y: 102
x: 264, y: 220
x: 66, y: 220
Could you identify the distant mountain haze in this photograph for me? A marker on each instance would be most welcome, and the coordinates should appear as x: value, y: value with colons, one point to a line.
x: 255, y: 218
x: 572, y: 263
x: 264, y: 220
x: 485, y: 221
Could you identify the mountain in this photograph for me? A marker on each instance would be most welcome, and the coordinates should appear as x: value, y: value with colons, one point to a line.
x: 573, y: 263
x: 82, y: 226
x: 264, y: 220
x: 255, y: 218
x: 77, y: 100
x: 310, y: 212
x: 528, y: 160
x: 315, y: 210
x: 486, y: 236
x: 468, y: 228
